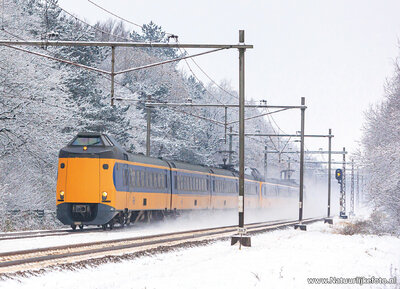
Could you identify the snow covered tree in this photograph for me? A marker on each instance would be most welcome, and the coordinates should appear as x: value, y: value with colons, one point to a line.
x: 381, y: 152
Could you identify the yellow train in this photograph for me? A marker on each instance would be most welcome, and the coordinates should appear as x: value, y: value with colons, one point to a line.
x: 99, y: 183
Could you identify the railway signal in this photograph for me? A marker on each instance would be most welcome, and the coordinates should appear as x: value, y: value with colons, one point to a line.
x: 339, y: 175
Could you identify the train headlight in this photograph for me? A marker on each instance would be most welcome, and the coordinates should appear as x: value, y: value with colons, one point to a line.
x: 62, y: 195
x: 104, y: 196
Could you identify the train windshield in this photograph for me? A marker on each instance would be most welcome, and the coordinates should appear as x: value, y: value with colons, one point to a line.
x: 87, y: 141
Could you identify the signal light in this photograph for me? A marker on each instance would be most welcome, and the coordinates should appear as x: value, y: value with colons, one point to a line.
x: 339, y: 175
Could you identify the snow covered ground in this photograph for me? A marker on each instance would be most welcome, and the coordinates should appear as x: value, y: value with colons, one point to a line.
x: 279, y: 259
x: 188, y: 221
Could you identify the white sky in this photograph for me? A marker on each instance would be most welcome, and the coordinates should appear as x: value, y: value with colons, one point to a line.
x: 337, y: 54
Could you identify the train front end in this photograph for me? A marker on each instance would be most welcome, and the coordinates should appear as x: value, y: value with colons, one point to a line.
x: 85, y: 187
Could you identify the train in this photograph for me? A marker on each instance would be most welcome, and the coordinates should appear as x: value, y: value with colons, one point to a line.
x: 99, y: 183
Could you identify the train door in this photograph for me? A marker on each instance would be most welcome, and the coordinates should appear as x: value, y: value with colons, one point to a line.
x: 208, y: 187
x: 83, y: 180
x: 211, y: 185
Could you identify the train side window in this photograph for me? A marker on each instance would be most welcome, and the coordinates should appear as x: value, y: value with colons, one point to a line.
x: 139, y: 179
x: 150, y: 179
x: 142, y: 179
x: 133, y: 177
x: 181, y: 182
x: 125, y: 157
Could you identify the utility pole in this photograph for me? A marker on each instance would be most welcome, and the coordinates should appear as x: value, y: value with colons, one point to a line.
x: 242, y: 237
x: 343, y: 189
x: 300, y: 225
x: 112, y: 73
x: 148, y: 112
x: 358, y: 188
x: 328, y: 219
x: 352, y: 189
x: 265, y: 162
x: 230, y: 147
x: 226, y: 121
x: 362, y: 187
x: 2, y: 15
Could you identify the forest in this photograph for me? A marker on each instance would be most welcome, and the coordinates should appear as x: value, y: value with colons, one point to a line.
x: 44, y: 103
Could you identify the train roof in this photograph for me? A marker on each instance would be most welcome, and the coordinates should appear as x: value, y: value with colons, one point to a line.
x: 223, y: 172
x: 139, y: 158
x: 187, y: 166
x: 112, y: 149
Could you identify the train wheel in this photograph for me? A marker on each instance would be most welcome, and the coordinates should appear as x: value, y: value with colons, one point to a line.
x: 104, y: 227
x: 111, y: 225
x: 122, y: 221
x: 73, y: 227
x: 81, y: 227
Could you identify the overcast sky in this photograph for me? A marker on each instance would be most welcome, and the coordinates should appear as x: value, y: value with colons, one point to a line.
x: 337, y: 54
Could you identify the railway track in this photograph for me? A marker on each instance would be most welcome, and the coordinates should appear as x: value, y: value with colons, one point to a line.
x: 34, y: 234
x: 49, y: 233
x: 40, y: 258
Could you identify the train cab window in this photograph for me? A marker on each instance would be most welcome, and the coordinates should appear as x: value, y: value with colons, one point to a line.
x: 87, y: 141
x: 107, y: 141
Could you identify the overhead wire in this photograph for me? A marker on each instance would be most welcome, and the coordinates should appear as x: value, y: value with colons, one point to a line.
x: 171, y: 34
x: 84, y: 22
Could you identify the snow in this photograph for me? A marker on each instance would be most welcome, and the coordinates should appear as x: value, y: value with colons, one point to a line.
x: 279, y: 259
x: 188, y: 221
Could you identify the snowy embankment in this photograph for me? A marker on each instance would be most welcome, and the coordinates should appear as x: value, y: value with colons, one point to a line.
x: 278, y: 259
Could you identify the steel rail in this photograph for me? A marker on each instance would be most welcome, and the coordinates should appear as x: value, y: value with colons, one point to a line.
x: 62, y: 252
